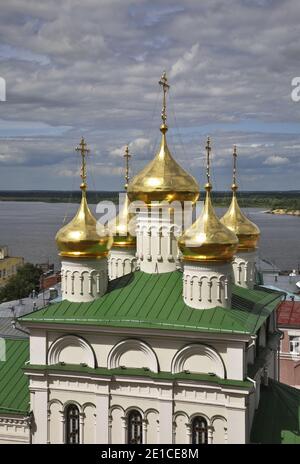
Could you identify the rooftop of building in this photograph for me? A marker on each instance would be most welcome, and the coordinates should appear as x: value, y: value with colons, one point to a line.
x: 288, y: 314
x: 17, y: 308
x: 154, y: 301
x: 277, y: 419
x: 14, y: 388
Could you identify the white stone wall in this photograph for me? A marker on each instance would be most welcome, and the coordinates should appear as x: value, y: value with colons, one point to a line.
x: 167, y: 409
x: 244, y: 268
x: 83, y: 280
x: 14, y: 429
x: 207, y: 285
x: 121, y: 261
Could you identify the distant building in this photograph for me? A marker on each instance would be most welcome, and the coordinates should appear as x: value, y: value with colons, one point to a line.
x: 288, y: 321
x: 8, y: 265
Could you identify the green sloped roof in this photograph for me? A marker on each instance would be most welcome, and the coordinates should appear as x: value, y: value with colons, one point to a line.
x: 277, y: 419
x: 143, y: 300
x: 14, y: 391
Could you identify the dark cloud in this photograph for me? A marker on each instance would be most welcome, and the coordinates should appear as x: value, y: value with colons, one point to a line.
x: 91, y: 68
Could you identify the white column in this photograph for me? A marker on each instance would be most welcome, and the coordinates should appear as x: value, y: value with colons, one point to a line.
x: 102, y: 419
x: 62, y: 426
x: 244, y: 268
x: 40, y: 411
x: 144, y: 426
x: 236, y: 426
x: 81, y: 425
x: 166, y: 418
x: 124, y: 430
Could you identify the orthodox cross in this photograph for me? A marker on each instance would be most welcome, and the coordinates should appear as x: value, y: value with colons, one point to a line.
x: 82, y: 148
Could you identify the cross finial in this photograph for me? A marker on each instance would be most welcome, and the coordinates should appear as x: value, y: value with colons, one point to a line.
x: 234, y: 186
x: 127, y: 157
x: 163, y: 82
x: 208, y: 150
x: 82, y: 148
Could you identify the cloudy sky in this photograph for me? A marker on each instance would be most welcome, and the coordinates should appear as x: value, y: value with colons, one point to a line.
x: 92, y: 67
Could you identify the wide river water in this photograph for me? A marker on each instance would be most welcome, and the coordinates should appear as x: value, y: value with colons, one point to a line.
x: 29, y: 229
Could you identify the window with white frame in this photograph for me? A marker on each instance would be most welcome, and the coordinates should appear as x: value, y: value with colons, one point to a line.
x: 294, y: 344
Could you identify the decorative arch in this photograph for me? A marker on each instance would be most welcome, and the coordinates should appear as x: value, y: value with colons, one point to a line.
x: 134, y: 408
x: 180, y: 413
x: 88, y: 404
x: 182, y: 356
x: 114, y: 357
x: 199, y: 414
x: 218, y: 417
x: 66, y: 341
x: 150, y: 411
x: 55, y: 401
x: 70, y: 402
x: 117, y: 407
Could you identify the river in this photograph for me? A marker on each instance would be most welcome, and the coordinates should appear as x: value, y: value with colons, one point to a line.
x: 29, y: 228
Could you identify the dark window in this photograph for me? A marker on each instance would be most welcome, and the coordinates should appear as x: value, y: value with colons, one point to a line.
x: 135, y: 430
x: 72, y: 424
x: 199, y: 431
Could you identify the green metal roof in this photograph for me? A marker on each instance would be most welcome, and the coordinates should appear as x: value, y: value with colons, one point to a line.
x: 143, y: 300
x: 14, y: 391
x: 277, y: 419
x: 137, y: 372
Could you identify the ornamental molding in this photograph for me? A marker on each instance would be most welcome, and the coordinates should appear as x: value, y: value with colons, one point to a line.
x: 113, y: 360
x: 182, y: 356
x: 55, y: 350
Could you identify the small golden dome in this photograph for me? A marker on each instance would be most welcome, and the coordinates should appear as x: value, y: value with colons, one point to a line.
x: 208, y: 239
x: 83, y: 237
x: 120, y: 226
x: 247, y: 232
x: 163, y: 179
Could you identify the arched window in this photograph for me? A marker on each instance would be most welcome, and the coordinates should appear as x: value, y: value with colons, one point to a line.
x: 134, y: 428
x: 199, y: 431
x: 72, y: 424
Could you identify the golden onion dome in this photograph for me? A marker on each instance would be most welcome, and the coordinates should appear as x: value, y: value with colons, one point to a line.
x: 83, y: 237
x: 163, y: 179
x: 247, y: 232
x: 207, y: 239
x: 120, y: 227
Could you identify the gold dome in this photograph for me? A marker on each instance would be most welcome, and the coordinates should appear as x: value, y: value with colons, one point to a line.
x: 121, y: 224
x: 121, y: 236
x: 247, y: 232
x: 208, y: 240
x: 83, y: 237
x: 163, y: 179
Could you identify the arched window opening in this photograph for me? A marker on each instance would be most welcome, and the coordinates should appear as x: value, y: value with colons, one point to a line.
x: 72, y: 424
x: 134, y: 428
x: 199, y: 431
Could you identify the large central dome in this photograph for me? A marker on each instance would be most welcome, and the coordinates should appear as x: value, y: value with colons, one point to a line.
x: 163, y: 179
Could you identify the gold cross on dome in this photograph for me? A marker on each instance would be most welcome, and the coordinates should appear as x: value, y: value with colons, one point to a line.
x: 82, y: 148
x: 127, y: 157
x: 163, y: 82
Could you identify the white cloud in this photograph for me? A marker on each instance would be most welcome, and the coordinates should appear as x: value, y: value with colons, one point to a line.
x: 183, y: 64
x: 276, y: 160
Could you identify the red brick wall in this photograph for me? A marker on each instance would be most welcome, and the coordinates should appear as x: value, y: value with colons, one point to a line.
x: 50, y: 281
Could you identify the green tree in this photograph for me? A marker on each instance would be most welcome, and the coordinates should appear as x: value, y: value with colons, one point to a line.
x: 26, y: 279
